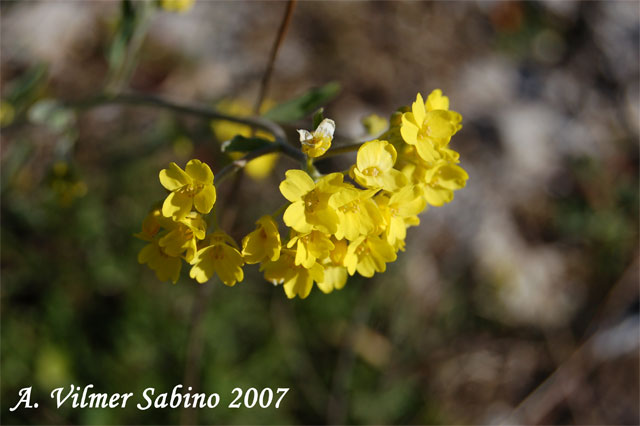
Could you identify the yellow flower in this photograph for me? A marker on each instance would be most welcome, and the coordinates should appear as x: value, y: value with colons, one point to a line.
x: 374, y: 124
x: 310, y: 208
x: 258, y: 168
x: 335, y: 278
x: 441, y: 180
x: 310, y: 247
x: 192, y: 187
x: 436, y: 100
x: 335, y: 274
x: 358, y: 214
x: 152, y: 224
x: 317, y: 143
x: 430, y: 129
x: 183, y: 236
x: 374, y: 166
x: 221, y: 257
x: 176, y: 5
x: 368, y: 255
x: 400, y: 210
x: 263, y: 243
x: 297, y: 280
x: 166, y: 267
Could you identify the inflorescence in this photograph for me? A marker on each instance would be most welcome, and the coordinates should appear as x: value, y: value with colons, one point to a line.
x: 339, y: 223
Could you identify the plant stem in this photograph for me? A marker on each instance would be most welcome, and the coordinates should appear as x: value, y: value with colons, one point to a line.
x: 122, y: 75
x: 211, y: 114
x: 238, y: 164
x: 266, y: 78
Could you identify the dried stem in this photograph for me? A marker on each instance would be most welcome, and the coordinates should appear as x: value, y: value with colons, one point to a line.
x: 266, y: 77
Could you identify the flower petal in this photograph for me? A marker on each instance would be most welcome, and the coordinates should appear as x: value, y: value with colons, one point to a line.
x: 173, y: 177
x: 306, y: 138
x: 204, y: 266
x: 205, y: 199
x: 177, y: 205
x: 147, y: 253
x: 409, y: 131
x: 326, y: 128
x: 199, y: 171
x: 296, y: 184
x: 418, y: 109
x: 294, y: 217
x: 436, y: 100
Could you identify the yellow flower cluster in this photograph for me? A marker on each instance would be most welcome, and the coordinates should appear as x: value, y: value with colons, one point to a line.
x: 339, y: 223
x: 177, y: 230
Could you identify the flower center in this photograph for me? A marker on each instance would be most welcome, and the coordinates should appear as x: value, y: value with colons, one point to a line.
x: 372, y: 171
x: 311, y: 200
x: 217, y: 253
x: 352, y: 207
x: 191, y: 189
x: 363, y: 249
x: 424, y: 131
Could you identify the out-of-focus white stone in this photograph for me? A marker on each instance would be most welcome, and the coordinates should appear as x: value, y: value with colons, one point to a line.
x: 525, y: 284
x: 47, y: 31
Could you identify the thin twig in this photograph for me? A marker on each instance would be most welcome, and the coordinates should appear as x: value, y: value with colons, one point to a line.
x: 266, y: 77
x: 569, y: 375
x: 211, y: 114
x: 240, y: 163
x: 123, y: 75
x: 280, y: 144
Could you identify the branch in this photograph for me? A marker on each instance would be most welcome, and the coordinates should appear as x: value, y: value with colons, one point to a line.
x: 211, y: 114
x: 240, y: 163
x: 282, y: 32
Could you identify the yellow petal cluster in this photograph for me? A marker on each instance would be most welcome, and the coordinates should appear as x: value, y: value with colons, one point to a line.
x: 339, y: 224
x: 222, y: 257
x: 192, y: 187
x: 169, y: 241
x: 263, y: 243
x: 340, y: 228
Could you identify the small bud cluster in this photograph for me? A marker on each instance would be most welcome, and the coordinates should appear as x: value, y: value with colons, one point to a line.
x: 339, y: 223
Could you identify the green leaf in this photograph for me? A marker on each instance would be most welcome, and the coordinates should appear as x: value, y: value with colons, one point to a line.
x: 318, y: 116
x: 304, y: 105
x: 26, y: 86
x: 242, y: 144
x: 128, y: 20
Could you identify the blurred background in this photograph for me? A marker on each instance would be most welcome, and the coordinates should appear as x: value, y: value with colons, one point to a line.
x: 516, y: 303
